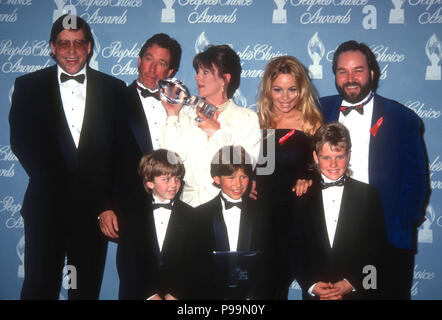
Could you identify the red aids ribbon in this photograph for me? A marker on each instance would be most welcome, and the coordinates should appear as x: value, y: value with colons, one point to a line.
x: 283, y: 139
x: 375, y: 128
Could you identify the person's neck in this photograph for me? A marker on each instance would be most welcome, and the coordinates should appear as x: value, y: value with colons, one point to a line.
x: 217, y: 100
x: 289, y: 120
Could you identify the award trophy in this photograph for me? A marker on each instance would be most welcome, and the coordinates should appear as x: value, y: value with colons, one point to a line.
x: 168, y: 14
x: 397, y: 14
x: 316, y: 51
x: 279, y: 14
x: 433, y: 50
x: 175, y: 92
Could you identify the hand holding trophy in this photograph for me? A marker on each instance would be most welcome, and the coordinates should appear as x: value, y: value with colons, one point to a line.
x: 175, y: 93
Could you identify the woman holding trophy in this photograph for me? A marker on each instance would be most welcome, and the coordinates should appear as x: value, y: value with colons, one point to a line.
x: 196, y: 138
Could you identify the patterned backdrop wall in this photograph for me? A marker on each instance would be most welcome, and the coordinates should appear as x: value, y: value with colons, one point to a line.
x: 405, y: 35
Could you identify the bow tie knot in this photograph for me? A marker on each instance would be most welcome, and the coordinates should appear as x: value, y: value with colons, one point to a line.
x: 346, y: 109
x: 147, y: 93
x: 229, y: 204
x: 65, y: 77
x: 162, y: 205
x: 337, y: 183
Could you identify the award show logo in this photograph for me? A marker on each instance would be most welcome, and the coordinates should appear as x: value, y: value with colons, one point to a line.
x: 433, y: 50
x: 168, y: 14
x: 316, y: 51
x: 62, y: 9
x: 201, y: 43
x: 425, y: 234
x: 280, y: 14
x: 397, y: 14
x: 20, y: 250
x: 93, y: 63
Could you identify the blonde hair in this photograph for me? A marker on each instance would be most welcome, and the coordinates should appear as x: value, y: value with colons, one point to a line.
x: 311, y: 116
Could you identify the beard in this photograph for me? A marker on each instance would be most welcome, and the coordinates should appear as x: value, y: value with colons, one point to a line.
x: 355, y: 97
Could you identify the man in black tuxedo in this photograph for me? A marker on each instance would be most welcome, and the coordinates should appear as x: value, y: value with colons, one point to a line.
x: 138, y: 129
x: 61, y: 119
x: 338, y: 236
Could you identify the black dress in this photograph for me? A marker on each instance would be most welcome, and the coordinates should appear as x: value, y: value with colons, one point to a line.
x: 293, y: 160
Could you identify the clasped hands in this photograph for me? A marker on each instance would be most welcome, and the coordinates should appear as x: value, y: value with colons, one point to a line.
x: 332, y: 291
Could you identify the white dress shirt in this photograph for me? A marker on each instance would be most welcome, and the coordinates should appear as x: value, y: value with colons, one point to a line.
x: 73, y: 97
x: 331, y: 200
x: 232, y: 218
x: 161, y: 217
x: 156, y: 116
x: 239, y: 127
x: 359, y: 126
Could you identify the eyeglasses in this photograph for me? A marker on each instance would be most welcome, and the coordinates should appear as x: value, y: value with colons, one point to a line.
x: 80, y: 45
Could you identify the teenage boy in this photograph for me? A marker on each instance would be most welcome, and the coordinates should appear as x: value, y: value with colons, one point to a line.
x: 163, y: 236
x: 231, y: 227
x: 338, y: 227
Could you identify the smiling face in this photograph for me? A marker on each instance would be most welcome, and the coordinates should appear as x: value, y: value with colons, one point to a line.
x: 154, y: 65
x: 234, y: 185
x: 165, y: 187
x: 353, y: 76
x: 332, y: 161
x: 284, y: 93
x: 71, y: 50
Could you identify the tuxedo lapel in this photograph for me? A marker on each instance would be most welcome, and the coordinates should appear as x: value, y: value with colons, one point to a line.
x: 219, y: 226
x: 319, y: 223
x: 62, y: 132
x: 137, y: 120
x: 378, y: 144
x: 245, y: 229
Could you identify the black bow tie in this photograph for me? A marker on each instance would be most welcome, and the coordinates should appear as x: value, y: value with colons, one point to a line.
x: 147, y: 93
x: 229, y: 204
x: 337, y: 183
x: 162, y: 205
x: 65, y: 77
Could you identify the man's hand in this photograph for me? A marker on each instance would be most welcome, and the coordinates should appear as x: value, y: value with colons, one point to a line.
x: 109, y: 224
x: 253, y: 192
x: 302, y: 186
x: 169, y: 297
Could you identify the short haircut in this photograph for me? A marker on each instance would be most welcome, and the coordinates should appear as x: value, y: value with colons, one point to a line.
x: 230, y: 159
x: 226, y: 60
x: 160, y: 162
x: 164, y: 41
x: 333, y: 133
x: 372, y: 63
x: 58, y: 26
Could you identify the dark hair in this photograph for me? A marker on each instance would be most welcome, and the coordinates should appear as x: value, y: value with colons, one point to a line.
x: 372, y: 63
x: 334, y: 133
x: 230, y: 159
x: 226, y: 60
x: 164, y: 41
x: 159, y: 162
x: 80, y: 24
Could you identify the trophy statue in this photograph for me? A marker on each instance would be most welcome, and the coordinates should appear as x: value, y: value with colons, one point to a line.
x: 433, y: 50
x: 175, y: 92
x: 280, y: 14
x: 168, y: 14
x: 20, y: 250
x: 425, y: 234
x: 316, y: 51
x: 396, y: 14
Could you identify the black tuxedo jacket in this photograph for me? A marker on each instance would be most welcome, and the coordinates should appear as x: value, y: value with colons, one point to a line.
x: 359, y: 241
x: 67, y: 186
x: 210, y: 234
x: 163, y: 271
x: 62, y: 177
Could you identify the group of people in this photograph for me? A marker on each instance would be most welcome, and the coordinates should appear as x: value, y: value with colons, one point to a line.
x: 179, y: 191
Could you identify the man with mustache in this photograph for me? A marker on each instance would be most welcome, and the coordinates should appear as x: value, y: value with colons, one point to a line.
x: 388, y: 153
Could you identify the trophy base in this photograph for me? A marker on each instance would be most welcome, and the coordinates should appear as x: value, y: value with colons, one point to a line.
x: 315, y: 72
x: 168, y: 15
x: 396, y: 16
x: 433, y: 73
x: 279, y: 16
x: 425, y: 237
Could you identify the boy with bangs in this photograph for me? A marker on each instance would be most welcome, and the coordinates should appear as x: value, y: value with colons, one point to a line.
x: 232, y: 233
x: 338, y: 227
x: 164, y: 233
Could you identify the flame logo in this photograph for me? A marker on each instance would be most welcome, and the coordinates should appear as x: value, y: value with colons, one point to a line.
x: 433, y: 49
x: 315, y: 48
x: 201, y: 42
x: 93, y: 63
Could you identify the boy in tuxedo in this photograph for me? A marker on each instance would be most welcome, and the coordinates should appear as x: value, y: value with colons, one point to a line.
x: 339, y: 233
x: 164, y: 233
x: 232, y: 224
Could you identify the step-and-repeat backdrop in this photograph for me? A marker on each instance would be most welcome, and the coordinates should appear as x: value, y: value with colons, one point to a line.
x: 405, y: 35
